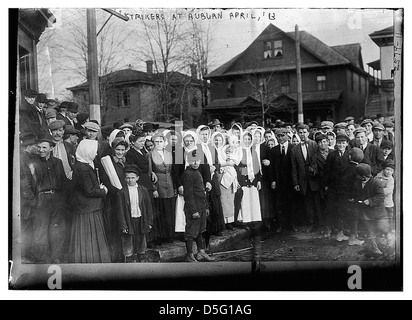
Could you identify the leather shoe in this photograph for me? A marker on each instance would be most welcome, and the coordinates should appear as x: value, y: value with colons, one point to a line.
x: 191, y: 258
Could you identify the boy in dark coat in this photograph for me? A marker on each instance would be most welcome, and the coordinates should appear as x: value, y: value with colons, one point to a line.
x: 134, y: 214
x: 370, y: 196
x: 195, y: 208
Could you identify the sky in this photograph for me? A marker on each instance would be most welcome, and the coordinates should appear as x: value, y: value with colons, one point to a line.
x: 234, y: 30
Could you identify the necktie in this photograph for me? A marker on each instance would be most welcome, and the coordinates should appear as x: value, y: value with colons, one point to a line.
x: 283, y: 150
x: 304, y: 150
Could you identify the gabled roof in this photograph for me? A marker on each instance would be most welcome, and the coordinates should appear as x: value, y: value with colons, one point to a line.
x: 126, y: 76
x: 384, y: 32
x: 338, y: 55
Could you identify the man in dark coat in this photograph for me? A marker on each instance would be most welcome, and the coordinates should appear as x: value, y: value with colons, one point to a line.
x: 302, y: 176
x: 373, y: 155
x: 281, y: 155
x: 32, y: 119
x: 134, y: 214
x: 28, y: 155
x: 49, y: 214
x: 62, y: 112
x: 370, y: 196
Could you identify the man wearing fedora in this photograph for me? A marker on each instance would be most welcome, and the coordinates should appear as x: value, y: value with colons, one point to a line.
x: 215, y: 125
x: 71, y: 135
x: 31, y: 118
x: 62, y: 111
x: 62, y: 149
x: 72, y: 112
x: 49, y: 209
x: 41, y: 102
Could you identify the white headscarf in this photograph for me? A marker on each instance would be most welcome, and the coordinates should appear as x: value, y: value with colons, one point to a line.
x: 239, y: 127
x: 249, y: 159
x: 87, y: 151
x: 220, y: 150
x: 195, y: 137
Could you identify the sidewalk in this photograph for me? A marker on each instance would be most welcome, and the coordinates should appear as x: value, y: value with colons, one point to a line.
x: 176, y: 251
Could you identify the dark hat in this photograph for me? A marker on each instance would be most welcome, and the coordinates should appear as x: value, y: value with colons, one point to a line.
x: 117, y: 124
x: 41, y: 98
x: 366, y: 121
x: 73, y: 107
x: 356, y: 154
x: 55, y: 125
x: 82, y: 117
x: 51, y: 113
x: 386, y: 144
x: 388, y: 124
x: 320, y: 137
x: 378, y: 125
x: 45, y: 137
x: 388, y: 163
x: 342, y: 137
x: 214, y: 122
x: 379, y: 115
x: 349, y: 119
x: 92, y: 126
x: 317, y: 124
x: 341, y: 125
x: 69, y: 129
x: 106, y: 131
x: 150, y: 127
x: 30, y: 93
x: 326, y: 124
x: 363, y: 169
x: 132, y: 168
x: 359, y: 130
x: 64, y: 104
x: 27, y: 139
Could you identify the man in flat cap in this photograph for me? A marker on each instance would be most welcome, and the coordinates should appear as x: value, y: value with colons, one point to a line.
x: 326, y: 126
x: 389, y: 127
x: 71, y: 135
x: 380, y: 118
x: 350, y: 120
x: 369, y: 196
x: 340, y: 128
x: 368, y: 125
x: 92, y: 130
x: 387, y: 150
x: 127, y: 128
x: 31, y: 118
x: 283, y: 182
x: 378, y: 134
x: 373, y: 155
x: 49, y: 210
x: 62, y: 150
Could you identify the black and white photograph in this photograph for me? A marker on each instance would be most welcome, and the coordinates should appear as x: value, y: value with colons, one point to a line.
x: 206, y: 149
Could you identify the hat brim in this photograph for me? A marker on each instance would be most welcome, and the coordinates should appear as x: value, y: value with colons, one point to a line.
x: 45, y: 140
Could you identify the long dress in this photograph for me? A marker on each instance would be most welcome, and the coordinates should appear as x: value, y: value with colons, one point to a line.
x: 165, y: 204
x: 88, y: 238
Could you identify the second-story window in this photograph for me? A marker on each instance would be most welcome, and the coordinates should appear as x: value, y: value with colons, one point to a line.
x: 278, y: 49
x: 267, y: 53
x: 273, y: 49
x: 321, y: 82
x: 126, y: 98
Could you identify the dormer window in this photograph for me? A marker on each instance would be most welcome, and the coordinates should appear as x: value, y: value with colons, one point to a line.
x: 273, y: 49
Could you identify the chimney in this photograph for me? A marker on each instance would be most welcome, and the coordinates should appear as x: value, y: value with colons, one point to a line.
x: 149, y: 66
x: 193, y: 71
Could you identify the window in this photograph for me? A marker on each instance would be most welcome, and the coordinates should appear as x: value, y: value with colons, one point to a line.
x: 278, y: 48
x: 321, y: 82
x: 126, y: 98
x: 267, y: 53
x: 24, y: 69
x: 273, y: 49
x: 230, y: 90
x: 285, y: 83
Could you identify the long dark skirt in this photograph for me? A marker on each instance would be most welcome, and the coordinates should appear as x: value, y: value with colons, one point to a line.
x: 88, y: 242
x: 267, y: 197
x: 164, y: 220
x: 216, y: 223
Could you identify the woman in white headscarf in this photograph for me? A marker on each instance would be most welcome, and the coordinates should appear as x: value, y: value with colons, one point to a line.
x: 249, y: 177
x: 88, y: 243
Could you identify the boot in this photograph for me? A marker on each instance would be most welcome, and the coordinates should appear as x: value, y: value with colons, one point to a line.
x: 203, y: 256
x: 191, y: 258
x: 354, y: 241
x: 341, y: 237
x: 374, y: 247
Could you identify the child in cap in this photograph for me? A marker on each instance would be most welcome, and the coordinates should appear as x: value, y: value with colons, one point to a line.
x: 387, y: 148
x: 369, y: 196
x: 195, y: 208
x: 135, y: 215
x: 388, y: 184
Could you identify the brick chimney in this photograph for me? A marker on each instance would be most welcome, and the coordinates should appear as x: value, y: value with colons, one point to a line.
x: 193, y: 71
x: 149, y: 66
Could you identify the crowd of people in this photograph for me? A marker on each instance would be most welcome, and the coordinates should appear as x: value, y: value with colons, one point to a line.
x: 92, y: 194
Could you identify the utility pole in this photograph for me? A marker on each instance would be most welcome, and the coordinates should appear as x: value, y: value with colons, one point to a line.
x: 299, y: 75
x: 92, y: 70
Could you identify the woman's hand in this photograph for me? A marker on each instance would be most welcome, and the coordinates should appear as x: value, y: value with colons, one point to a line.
x: 266, y: 162
x: 154, y: 177
x: 155, y: 194
x: 180, y: 190
x: 259, y: 185
x: 196, y: 215
x: 208, y: 186
x: 102, y: 186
